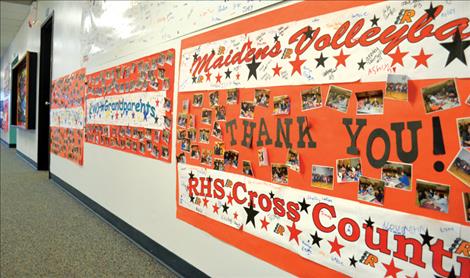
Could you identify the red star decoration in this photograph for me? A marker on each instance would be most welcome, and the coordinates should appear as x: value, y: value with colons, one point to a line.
x: 117, y: 115
x: 238, y: 76
x: 205, y: 202
x: 294, y: 233
x: 157, y: 102
x: 235, y: 215
x: 296, y: 64
x: 392, y: 270
x: 421, y: 59
x: 398, y: 57
x: 415, y: 276
x: 208, y: 76
x: 264, y: 223
x: 341, y: 59
x: 229, y: 198
x: 277, y: 70
x: 335, y: 247
x: 218, y: 77
x: 216, y: 208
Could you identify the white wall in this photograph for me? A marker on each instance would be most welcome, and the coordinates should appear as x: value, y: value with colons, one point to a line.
x: 139, y: 190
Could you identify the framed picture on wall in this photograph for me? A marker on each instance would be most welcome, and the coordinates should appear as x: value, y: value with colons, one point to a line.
x: 24, y: 92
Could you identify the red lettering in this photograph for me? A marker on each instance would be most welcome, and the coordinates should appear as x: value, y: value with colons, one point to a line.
x: 438, y: 252
x: 293, y: 211
x: 355, y: 230
x: 265, y: 202
x: 235, y: 192
x: 316, y: 217
x: 383, y: 239
x: 206, y: 187
x: 402, y: 242
x: 279, y: 209
x: 192, y: 186
x: 219, y: 192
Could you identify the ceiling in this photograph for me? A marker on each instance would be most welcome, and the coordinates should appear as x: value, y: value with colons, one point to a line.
x: 12, y: 16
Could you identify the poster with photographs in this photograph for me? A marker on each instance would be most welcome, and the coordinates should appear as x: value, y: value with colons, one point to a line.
x: 315, y: 126
x: 129, y: 107
x: 67, y: 116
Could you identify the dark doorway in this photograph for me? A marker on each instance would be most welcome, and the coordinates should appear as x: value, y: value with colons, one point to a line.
x: 45, y: 70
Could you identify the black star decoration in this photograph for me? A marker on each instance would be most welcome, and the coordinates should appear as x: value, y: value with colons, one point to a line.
x: 426, y: 238
x: 308, y: 33
x: 375, y: 21
x: 361, y: 64
x: 213, y: 52
x: 191, y: 175
x: 195, y: 56
x: 250, y: 214
x: 316, y: 239
x: 225, y: 208
x: 352, y: 261
x: 252, y: 67
x: 304, y: 206
x: 191, y: 198
x: 156, y: 119
x: 431, y: 12
x: 321, y: 60
x: 456, y: 48
x: 194, y: 79
x: 276, y: 38
x: 227, y: 73
x: 452, y: 273
x: 271, y: 195
x: 369, y: 222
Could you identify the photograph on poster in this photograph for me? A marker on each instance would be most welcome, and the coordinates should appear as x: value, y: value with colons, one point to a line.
x: 204, y: 136
x: 231, y: 158
x: 281, y: 105
x: 440, y: 96
x: 460, y: 166
x: 195, y: 153
x: 247, y: 110
x: 311, y: 98
x: 262, y: 97
x: 348, y: 170
x: 466, y: 205
x: 206, y: 116
x: 293, y: 160
x: 220, y: 113
x: 371, y: 190
x: 338, y: 98
x: 463, y: 128
x: 263, y: 157
x: 397, y: 87
x: 370, y: 103
x: 431, y: 195
x: 219, y: 164
x: 322, y: 176
x: 279, y: 173
x: 219, y: 148
x: 217, y: 131
x: 247, y: 170
x: 232, y: 96
x: 197, y: 100
x: 206, y: 157
x: 397, y: 175
x: 214, y: 98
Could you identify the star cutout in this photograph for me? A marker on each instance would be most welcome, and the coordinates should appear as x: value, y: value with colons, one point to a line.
x: 208, y: 76
x: 361, y: 64
x: 308, y: 33
x: 213, y: 52
x: 335, y: 247
x: 264, y: 223
x: 276, y: 38
x: 195, y: 56
x: 421, y: 59
x: 431, y: 11
x: 426, y: 239
x: 252, y: 67
x: 374, y: 21
x: 194, y: 79
x: 218, y: 77
x: 392, y: 270
x: 238, y: 76
x: 250, y: 214
x: 316, y: 239
x: 414, y: 276
x: 277, y: 70
x: 341, y: 59
x: 456, y: 48
x: 294, y: 233
x: 235, y: 215
x: 156, y: 119
x: 352, y: 261
x: 216, y: 208
x: 304, y: 206
x: 227, y: 73
x: 397, y: 57
x: 225, y: 208
x: 271, y: 195
x: 205, y: 200
x: 229, y: 198
x: 370, y: 223
x: 191, y: 175
x: 296, y: 64
x: 191, y: 198
x: 321, y: 60
x: 452, y: 273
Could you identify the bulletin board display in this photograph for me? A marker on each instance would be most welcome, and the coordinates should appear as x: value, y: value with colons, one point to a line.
x: 67, y: 116
x: 4, y: 107
x: 129, y: 106
x: 331, y: 139
x: 24, y: 92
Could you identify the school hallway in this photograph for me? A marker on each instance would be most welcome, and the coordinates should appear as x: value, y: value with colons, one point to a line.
x: 46, y: 232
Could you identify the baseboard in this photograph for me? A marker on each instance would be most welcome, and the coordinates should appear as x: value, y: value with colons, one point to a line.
x: 176, y: 264
x: 26, y: 158
x: 7, y: 144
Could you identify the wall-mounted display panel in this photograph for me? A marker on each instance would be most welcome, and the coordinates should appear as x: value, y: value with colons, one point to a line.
x: 24, y: 92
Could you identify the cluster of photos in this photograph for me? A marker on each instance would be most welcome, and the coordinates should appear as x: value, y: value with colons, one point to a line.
x: 68, y: 91
x: 67, y: 142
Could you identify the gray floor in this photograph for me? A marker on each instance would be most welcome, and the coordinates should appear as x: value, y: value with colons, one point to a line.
x: 45, y: 232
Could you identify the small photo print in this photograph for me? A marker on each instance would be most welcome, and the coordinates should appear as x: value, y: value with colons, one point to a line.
x: 231, y: 158
x: 204, y: 136
x: 191, y: 120
x: 219, y: 164
x: 192, y: 134
x: 279, y: 173
x: 460, y: 167
x: 440, y: 96
x: 165, y: 152
x: 181, y: 158
x: 197, y: 100
x: 247, y: 110
x: 348, y: 170
x: 397, y: 175
x: 322, y: 177
x: 463, y: 128
x: 468, y: 100
x: 181, y: 134
x: 167, y: 122
x: 247, y: 170
x: 182, y: 120
x: 293, y: 160
x: 263, y: 157
x: 217, y: 131
x: 185, y: 108
x: 206, y: 116
x: 262, y: 97
x: 370, y: 103
x: 167, y: 105
x: 166, y: 136
x: 281, y: 105
x: 214, y: 98
x: 371, y: 190
x: 397, y: 87
x: 220, y: 113
x: 185, y: 145
x: 311, y: 98
x: 195, y: 153
x: 232, y: 96
x: 338, y: 98
x: 434, y: 196
x: 466, y: 205
x: 219, y: 148
x: 206, y: 157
